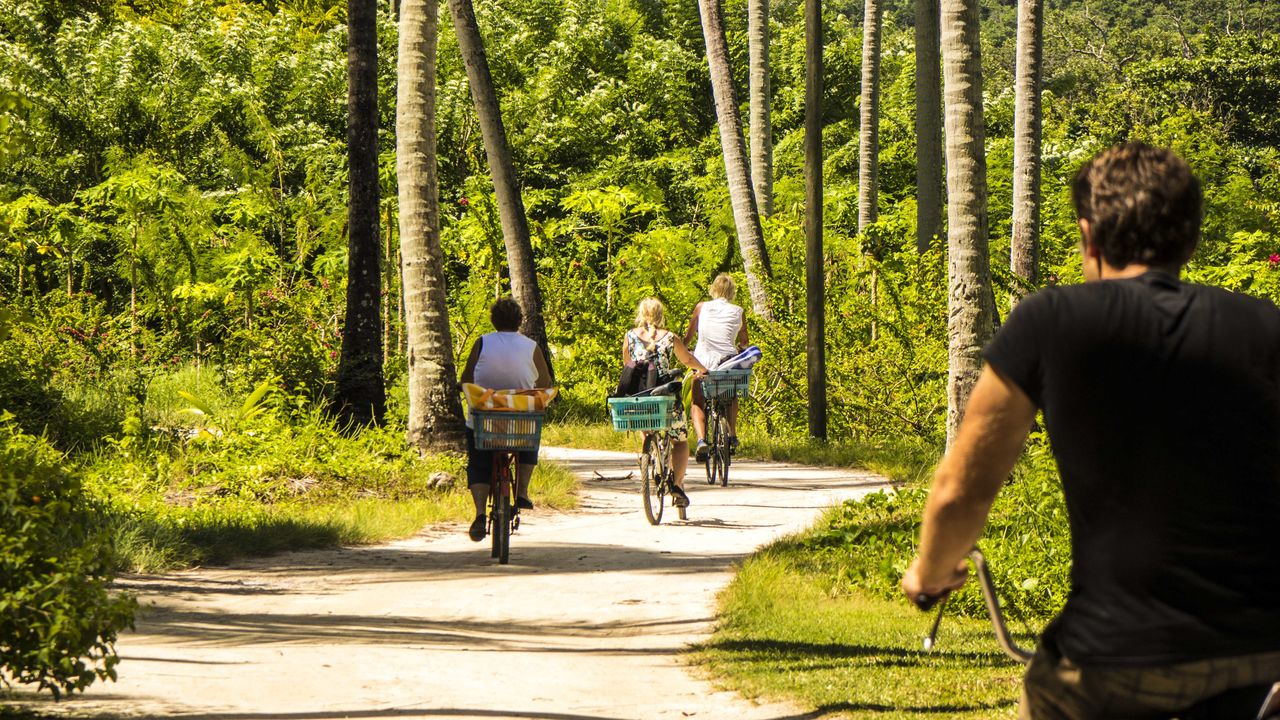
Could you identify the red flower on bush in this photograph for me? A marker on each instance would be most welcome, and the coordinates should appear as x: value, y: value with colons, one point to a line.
x: 463, y: 201
x: 1274, y: 260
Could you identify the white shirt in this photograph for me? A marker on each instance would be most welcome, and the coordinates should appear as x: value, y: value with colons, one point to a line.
x: 719, y: 322
x: 506, y: 362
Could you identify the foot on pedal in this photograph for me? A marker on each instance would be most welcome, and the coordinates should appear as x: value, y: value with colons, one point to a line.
x: 477, y: 530
x: 679, y: 498
x: 701, y: 451
x: 524, y: 503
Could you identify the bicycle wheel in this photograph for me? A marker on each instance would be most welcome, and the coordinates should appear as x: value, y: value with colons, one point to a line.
x: 713, y: 424
x: 722, y: 449
x: 502, y: 530
x: 651, y: 478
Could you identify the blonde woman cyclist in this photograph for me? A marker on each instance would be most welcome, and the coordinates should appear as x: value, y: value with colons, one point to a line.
x: 651, y: 341
x: 721, y: 329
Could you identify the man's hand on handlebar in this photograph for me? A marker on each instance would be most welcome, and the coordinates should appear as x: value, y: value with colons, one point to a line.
x: 926, y: 590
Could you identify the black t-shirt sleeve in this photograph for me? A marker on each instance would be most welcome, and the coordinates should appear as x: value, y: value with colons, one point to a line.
x: 1016, y: 350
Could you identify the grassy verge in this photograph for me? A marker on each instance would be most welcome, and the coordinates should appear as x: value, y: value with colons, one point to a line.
x: 784, y: 635
x: 159, y: 538
x: 906, y: 461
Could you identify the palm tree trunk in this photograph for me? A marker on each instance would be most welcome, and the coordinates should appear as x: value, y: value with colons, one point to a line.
x: 761, y: 128
x: 515, y: 226
x: 869, y: 130
x: 360, y: 395
x: 746, y: 216
x: 969, y: 300
x: 435, y: 413
x: 1024, y: 249
x: 928, y: 125
x: 815, y: 282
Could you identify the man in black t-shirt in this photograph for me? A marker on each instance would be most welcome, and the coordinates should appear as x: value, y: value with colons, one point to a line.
x: 1162, y: 404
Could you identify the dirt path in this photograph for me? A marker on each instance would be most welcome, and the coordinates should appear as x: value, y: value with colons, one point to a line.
x: 586, y: 623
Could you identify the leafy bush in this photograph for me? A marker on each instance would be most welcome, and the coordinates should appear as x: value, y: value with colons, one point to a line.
x: 58, y: 621
x: 867, y: 544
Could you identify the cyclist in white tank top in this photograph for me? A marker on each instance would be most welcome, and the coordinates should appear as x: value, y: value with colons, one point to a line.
x: 721, y: 329
x: 501, y: 360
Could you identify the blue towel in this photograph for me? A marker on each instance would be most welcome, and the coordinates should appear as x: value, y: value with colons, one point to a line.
x: 742, y: 360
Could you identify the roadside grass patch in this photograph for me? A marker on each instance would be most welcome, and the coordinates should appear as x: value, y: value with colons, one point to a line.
x: 783, y: 635
x: 903, y: 461
x: 197, y: 476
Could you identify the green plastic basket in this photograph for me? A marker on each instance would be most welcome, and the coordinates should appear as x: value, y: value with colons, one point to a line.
x: 652, y: 412
x: 507, y: 430
x: 727, y: 384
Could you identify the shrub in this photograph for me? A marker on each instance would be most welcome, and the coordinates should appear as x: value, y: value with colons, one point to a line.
x: 58, y: 621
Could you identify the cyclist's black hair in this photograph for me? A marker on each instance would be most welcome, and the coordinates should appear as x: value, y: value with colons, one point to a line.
x: 506, y: 315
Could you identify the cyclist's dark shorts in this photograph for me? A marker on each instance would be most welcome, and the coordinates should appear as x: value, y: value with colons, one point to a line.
x: 480, y: 462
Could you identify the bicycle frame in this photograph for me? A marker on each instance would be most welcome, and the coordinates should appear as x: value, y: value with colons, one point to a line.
x: 657, y: 474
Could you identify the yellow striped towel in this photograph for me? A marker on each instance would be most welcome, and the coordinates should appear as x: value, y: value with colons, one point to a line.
x: 481, y: 398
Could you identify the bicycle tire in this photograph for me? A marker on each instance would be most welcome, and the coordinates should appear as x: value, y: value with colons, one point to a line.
x: 650, y: 480
x: 723, y: 450
x: 502, y: 529
x: 713, y: 423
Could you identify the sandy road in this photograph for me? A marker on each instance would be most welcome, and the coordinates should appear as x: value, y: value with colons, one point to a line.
x: 586, y: 623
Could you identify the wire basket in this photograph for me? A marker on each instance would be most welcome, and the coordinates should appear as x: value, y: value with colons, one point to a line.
x: 720, y: 384
x: 507, y: 430
x: 652, y: 412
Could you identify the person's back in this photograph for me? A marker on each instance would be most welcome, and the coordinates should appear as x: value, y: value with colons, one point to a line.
x: 1162, y: 404
x: 1162, y: 400
x: 506, y: 361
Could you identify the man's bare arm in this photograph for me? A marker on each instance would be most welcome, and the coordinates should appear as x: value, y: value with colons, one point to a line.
x: 987, y: 445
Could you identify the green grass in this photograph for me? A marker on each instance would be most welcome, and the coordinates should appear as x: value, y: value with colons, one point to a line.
x: 157, y: 537
x: 783, y: 635
x: 906, y: 461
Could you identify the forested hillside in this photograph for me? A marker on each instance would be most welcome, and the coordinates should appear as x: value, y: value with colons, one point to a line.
x: 175, y: 192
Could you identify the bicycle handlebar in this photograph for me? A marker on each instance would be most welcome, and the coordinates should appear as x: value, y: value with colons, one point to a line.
x: 1010, y: 648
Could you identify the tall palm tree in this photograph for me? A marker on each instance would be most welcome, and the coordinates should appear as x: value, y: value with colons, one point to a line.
x: 970, y: 306
x: 746, y: 216
x: 515, y: 226
x: 928, y: 124
x: 360, y: 396
x: 869, y: 130
x: 435, y: 414
x: 815, y: 291
x: 1024, y: 250
x: 761, y: 129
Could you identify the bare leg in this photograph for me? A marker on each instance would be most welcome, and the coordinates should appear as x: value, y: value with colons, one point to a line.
x: 480, y: 494
x: 523, y: 474
x: 733, y: 418
x: 680, y: 460
x: 699, y: 412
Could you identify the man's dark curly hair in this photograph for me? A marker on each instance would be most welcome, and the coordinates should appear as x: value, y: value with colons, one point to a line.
x: 506, y: 315
x: 1143, y: 204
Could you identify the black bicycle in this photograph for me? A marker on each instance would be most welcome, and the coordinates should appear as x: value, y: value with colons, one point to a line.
x: 1270, y: 709
x: 719, y: 389
x: 653, y: 412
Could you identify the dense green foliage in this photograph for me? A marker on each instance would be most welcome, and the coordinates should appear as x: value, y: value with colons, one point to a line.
x: 57, y: 619
x: 173, y: 217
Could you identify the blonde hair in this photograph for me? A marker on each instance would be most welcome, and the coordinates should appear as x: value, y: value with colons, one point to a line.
x: 651, y: 315
x: 723, y: 287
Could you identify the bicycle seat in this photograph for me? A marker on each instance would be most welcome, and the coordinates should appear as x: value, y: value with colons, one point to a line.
x: 667, y: 388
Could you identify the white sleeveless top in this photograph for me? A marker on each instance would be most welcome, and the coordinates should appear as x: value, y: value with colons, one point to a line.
x: 506, y: 362
x: 718, y: 324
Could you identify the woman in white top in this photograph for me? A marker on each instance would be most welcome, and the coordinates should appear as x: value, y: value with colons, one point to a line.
x: 504, y: 360
x: 721, y: 329
x: 651, y: 341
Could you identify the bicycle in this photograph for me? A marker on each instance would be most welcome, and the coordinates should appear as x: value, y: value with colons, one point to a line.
x: 653, y: 414
x: 719, y: 389
x: 507, y: 433
x: 1270, y: 709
